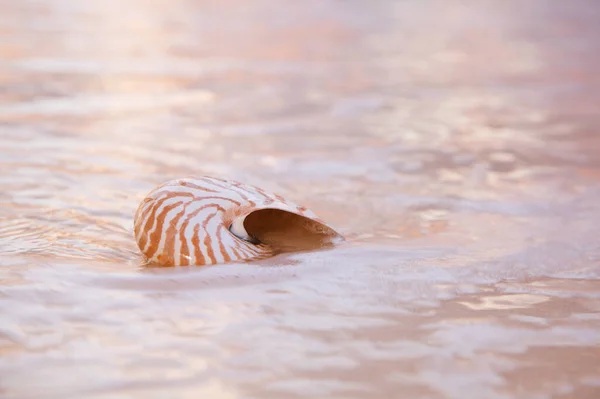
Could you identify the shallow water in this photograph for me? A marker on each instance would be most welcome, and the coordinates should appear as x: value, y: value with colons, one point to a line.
x: 456, y: 145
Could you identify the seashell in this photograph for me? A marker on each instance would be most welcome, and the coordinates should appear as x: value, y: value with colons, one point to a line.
x: 204, y: 221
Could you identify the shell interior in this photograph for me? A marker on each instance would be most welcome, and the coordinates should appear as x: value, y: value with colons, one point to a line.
x: 284, y: 231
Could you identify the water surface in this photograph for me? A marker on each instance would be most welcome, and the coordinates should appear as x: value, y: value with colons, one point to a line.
x: 456, y: 144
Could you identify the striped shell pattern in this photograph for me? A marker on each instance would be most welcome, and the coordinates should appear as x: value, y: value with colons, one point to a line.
x: 203, y: 221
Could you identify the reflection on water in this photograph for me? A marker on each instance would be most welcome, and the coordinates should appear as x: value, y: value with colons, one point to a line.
x: 455, y: 144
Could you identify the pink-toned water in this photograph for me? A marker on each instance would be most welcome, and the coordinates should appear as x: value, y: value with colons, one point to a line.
x: 455, y: 143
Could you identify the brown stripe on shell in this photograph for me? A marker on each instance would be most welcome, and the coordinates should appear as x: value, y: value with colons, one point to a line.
x: 207, y: 239
x: 212, y: 181
x: 226, y: 256
x: 242, y: 195
x: 155, y: 236
x: 171, y: 234
x: 196, y: 244
x: 151, y: 219
x: 185, y: 249
x: 197, y: 187
x: 235, y: 250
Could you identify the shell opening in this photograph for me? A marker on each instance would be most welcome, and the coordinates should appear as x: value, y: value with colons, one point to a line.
x: 237, y: 229
x: 284, y: 231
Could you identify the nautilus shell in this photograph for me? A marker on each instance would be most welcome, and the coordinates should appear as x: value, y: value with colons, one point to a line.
x: 204, y: 221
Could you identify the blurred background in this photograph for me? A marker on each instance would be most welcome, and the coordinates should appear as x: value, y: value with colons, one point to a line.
x: 455, y: 143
